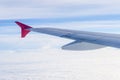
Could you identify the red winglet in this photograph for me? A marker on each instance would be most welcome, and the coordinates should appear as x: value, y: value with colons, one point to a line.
x: 24, y: 28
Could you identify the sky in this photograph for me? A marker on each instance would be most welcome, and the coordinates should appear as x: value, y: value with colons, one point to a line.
x: 88, y: 15
x: 30, y: 57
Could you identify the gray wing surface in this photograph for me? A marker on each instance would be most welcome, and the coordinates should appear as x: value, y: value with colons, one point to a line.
x: 83, y: 40
x: 101, y: 39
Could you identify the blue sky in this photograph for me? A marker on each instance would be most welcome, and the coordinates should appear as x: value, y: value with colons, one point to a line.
x: 106, y: 17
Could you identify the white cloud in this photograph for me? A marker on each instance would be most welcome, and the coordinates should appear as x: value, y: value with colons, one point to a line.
x: 54, y: 2
x: 52, y: 64
x: 52, y: 8
x: 31, y: 42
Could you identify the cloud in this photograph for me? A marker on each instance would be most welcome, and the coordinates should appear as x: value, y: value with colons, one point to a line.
x: 38, y: 12
x: 31, y: 42
x: 56, y: 64
x: 39, y: 3
x: 52, y: 8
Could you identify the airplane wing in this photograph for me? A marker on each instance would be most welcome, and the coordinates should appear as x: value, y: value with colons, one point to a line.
x: 84, y: 40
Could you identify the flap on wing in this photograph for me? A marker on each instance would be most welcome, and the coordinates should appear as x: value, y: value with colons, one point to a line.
x: 79, y: 45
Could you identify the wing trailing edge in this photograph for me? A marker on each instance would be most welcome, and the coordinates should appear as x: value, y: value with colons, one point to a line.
x: 81, y: 45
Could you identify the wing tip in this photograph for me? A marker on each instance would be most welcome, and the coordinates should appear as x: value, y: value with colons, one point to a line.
x: 24, y: 28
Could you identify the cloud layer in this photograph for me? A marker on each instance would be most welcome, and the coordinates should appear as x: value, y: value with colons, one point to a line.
x: 51, y: 8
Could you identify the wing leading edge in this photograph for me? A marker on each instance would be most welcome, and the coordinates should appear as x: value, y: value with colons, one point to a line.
x: 83, y: 40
